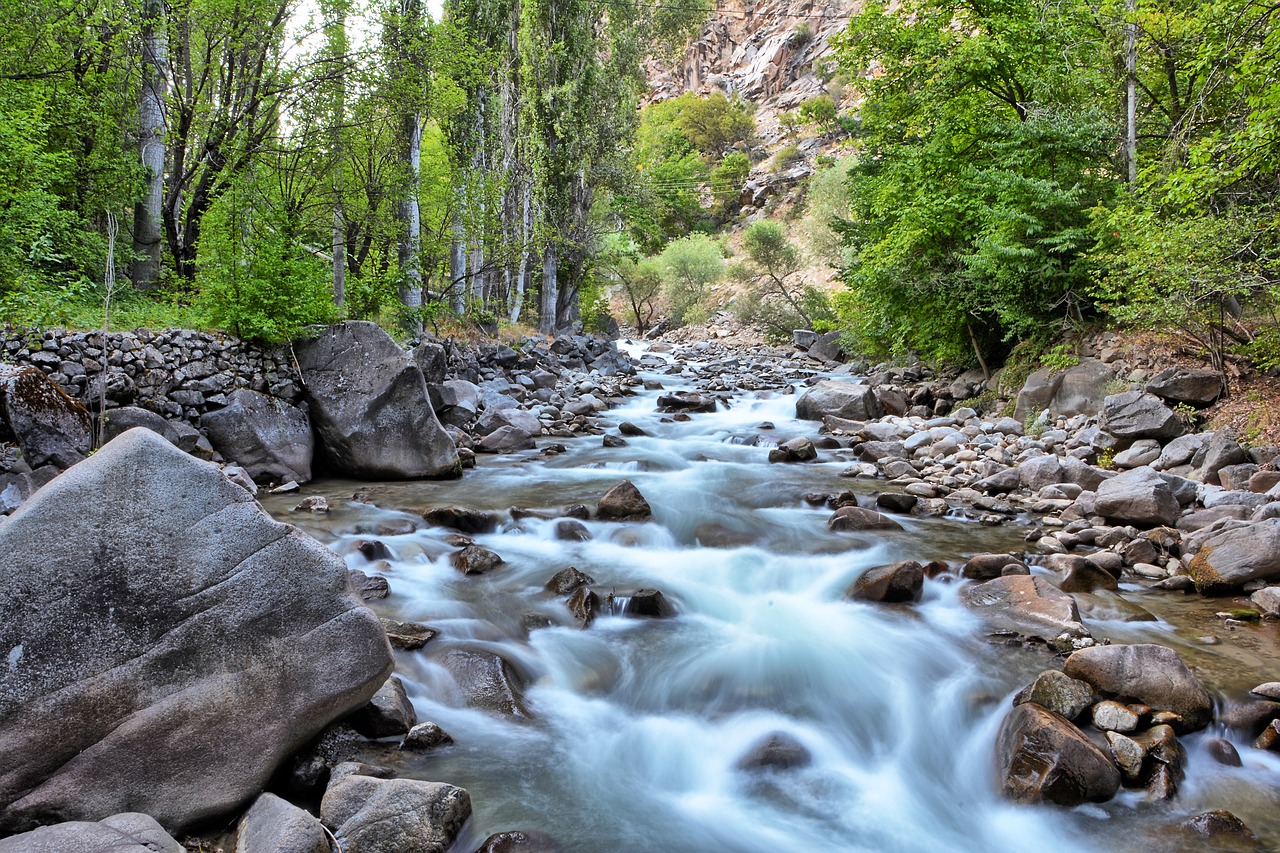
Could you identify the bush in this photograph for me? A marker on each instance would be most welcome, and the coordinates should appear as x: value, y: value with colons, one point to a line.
x: 689, y: 266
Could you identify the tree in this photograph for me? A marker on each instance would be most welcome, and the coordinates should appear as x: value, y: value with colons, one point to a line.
x: 777, y: 301
x: 689, y: 266
x: 148, y: 216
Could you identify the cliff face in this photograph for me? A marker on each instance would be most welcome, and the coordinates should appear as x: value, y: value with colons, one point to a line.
x: 764, y: 52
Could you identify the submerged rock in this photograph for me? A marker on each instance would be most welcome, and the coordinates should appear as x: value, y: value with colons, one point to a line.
x: 519, y: 841
x: 153, y: 602
x: 487, y: 681
x: 776, y: 751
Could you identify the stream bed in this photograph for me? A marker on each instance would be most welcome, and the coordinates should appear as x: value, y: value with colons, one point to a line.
x: 636, y: 727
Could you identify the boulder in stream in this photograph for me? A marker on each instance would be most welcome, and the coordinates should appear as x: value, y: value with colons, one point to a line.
x: 1228, y: 560
x: 623, y: 503
x: 266, y: 436
x: 152, y: 608
x: 369, y: 815
x: 854, y: 518
x: 1041, y: 756
x: 1154, y: 675
x: 1027, y: 605
x: 519, y: 841
x: 896, y: 582
x: 842, y: 399
x: 370, y: 407
x: 487, y: 681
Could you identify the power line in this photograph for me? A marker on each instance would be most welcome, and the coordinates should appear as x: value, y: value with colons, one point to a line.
x: 728, y: 12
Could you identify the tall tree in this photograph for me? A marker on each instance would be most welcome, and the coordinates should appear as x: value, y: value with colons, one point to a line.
x: 148, y: 216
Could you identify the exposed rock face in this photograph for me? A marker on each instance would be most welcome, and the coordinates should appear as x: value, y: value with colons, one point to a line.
x: 267, y: 437
x: 153, y: 603
x: 1140, y: 496
x: 1154, y: 675
x: 841, y: 399
x: 1042, y: 756
x: 1231, y: 559
x: 1026, y: 604
x: 379, y: 815
x: 370, y: 406
x: 128, y: 832
x: 49, y: 426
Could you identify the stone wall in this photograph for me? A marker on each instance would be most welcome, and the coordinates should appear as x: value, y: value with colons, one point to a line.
x: 177, y: 373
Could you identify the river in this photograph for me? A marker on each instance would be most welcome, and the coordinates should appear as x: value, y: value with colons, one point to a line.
x: 636, y: 726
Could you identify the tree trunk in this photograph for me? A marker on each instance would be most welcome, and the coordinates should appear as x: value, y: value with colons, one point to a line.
x: 148, y: 217
x: 1131, y: 93
x: 550, y: 295
x: 409, y: 249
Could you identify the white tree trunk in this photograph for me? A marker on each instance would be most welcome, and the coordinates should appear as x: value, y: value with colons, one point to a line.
x: 1131, y: 93
x: 550, y: 295
x: 148, y: 219
x: 409, y: 253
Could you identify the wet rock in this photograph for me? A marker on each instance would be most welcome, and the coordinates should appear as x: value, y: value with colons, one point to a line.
x: 1041, y: 756
x: 266, y: 436
x: 841, y: 399
x: 645, y: 603
x: 372, y: 549
x: 368, y: 587
x: 230, y: 625
x: 370, y: 408
x: 854, y: 518
x: 1270, y: 737
x: 519, y: 841
x: 1087, y: 577
x: 424, y: 737
x: 775, y: 751
x: 799, y: 449
x: 1027, y: 605
x: 686, y: 402
x: 1111, y: 716
x: 463, y: 519
x: 1229, y: 560
x: 389, y: 712
x: 896, y: 501
x: 1222, y: 751
x: 1221, y: 829
x: 1059, y: 693
x: 982, y: 567
x: 487, y: 681
x: 127, y: 832
x: 896, y: 582
x: 584, y: 605
x: 571, y: 530
x: 409, y: 636
x: 475, y: 560
x: 1269, y: 690
x: 629, y: 429
x: 273, y: 825
x: 49, y: 427
x: 370, y: 815
x: 623, y: 502
x: 567, y: 580
x: 1132, y: 415
x: 1154, y: 675
x: 614, y: 441
x: 1251, y: 716
x: 1140, y: 496
x: 1197, y: 388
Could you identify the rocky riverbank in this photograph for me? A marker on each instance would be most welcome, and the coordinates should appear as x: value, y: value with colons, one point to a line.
x: 1116, y: 494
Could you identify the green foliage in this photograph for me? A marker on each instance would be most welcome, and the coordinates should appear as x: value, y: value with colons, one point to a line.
x: 256, y: 278
x: 728, y: 178
x: 777, y: 302
x: 1059, y: 357
x: 822, y: 111
x: 827, y: 203
x: 688, y: 268
x: 786, y: 157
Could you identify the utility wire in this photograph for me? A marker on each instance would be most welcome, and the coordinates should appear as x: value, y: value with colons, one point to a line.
x: 718, y: 11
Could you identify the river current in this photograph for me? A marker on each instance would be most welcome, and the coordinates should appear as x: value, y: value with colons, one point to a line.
x: 636, y: 727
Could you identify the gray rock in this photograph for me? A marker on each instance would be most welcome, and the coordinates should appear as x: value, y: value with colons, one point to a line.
x: 119, y: 421
x: 267, y: 437
x: 370, y: 407
x: 49, y: 427
x: 856, y: 518
x: 1154, y: 675
x: 431, y: 360
x: 426, y: 736
x: 507, y: 439
x: 389, y: 712
x: 1230, y: 559
x: 403, y: 815
x: 494, y: 419
x: 487, y: 681
x: 1197, y: 388
x: 1111, y: 716
x: 274, y: 825
x: 1180, y: 451
x: 1041, y: 756
x: 1059, y: 693
x: 1028, y: 605
x: 1039, y: 472
x: 1221, y: 452
x: 127, y: 832
x: 1136, y: 414
x: 1144, y: 451
x: 841, y: 399
x: 1268, y: 600
x: 1140, y: 496
x: 172, y: 613
x: 623, y: 502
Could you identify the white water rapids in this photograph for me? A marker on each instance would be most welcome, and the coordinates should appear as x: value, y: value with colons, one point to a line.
x: 637, y: 725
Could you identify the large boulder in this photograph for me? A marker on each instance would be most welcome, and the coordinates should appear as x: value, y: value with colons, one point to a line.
x: 841, y: 399
x: 264, y: 435
x: 181, y: 434
x: 128, y: 832
x: 274, y: 825
x: 369, y: 815
x: 370, y: 407
x: 151, y: 608
x: 1197, y: 388
x: 1154, y: 675
x: 1028, y: 605
x: 1228, y: 560
x: 1138, y: 496
x: 1136, y: 414
x: 48, y: 426
x: 1041, y: 756
x: 1078, y: 390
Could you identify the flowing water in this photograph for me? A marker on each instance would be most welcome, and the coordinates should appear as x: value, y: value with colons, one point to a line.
x: 636, y: 726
